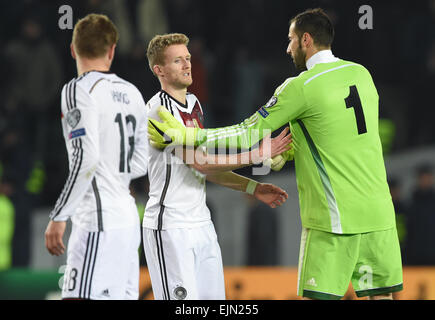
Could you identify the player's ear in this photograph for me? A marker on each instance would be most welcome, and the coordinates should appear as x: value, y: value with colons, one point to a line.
x: 307, y: 40
x: 73, y: 53
x: 158, y: 70
x: 112, y: 52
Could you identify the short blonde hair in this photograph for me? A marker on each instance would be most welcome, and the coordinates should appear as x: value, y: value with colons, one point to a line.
x: 94, y: 35
x: 158, y: 44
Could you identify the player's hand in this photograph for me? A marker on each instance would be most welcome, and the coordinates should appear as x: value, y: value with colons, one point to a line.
x: 270, y: 194
x: 277, y: 162
x: 281, y: 143
x: 271, y: 147
x: 170, y: 132
x: 53, y: 237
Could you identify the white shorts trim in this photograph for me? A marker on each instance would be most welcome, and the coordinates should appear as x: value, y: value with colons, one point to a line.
x: 184, y: 264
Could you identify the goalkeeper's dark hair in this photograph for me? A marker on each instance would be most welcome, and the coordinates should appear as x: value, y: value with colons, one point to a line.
x: 158, y: 45
x: 317, y: 23
x: 94, y: 35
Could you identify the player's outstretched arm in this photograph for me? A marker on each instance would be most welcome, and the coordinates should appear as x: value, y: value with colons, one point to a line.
x: 270, y: 194
x: 170, y: 132
x: 285, y: 106
x: 206, y: 163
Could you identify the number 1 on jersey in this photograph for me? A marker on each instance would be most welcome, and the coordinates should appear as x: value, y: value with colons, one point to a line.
x: 353, y: 101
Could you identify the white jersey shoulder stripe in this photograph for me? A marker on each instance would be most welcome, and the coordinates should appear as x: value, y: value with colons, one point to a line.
x: 329, y: 70
x: 282, y: 86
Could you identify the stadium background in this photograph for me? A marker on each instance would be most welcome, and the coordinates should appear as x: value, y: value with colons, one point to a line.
x: 238, y: 56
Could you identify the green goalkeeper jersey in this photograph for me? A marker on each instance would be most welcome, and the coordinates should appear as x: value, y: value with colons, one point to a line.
x: 332, y: 109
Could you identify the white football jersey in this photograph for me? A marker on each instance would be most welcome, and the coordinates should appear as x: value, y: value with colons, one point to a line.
x: 177, y: 192
x: 104, y: 124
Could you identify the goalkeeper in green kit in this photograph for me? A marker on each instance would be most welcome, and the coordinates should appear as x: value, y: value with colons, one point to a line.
x: 349, y: 229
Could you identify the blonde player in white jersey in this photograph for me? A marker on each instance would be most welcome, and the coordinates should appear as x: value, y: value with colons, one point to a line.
x: 180, y: 242
x: 103, y: 121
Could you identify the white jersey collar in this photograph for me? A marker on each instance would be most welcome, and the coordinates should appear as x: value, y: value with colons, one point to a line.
x: 323, y: 56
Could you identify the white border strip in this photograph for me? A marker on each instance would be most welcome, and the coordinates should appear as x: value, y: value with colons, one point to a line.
x: 336, y: 68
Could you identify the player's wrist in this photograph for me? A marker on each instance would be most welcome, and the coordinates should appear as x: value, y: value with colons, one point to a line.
x: 200, y: 137
x: 190, y: 137
x: 257, y: 156
x: 251, y: 187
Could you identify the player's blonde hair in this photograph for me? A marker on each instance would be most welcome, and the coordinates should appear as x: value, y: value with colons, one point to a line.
x: 94, y: 35
x: 158, y: 45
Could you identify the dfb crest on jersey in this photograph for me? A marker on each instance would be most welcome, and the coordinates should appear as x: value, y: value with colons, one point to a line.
x: 272, y: 101
x: 180, y: 293
x: 73, y: 117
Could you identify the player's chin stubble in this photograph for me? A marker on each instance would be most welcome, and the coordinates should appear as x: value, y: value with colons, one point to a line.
x: 299, y: 59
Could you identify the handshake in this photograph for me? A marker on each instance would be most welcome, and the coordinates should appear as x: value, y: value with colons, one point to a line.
x: 170, y: 132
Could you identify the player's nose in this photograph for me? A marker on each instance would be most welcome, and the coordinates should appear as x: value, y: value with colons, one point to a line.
x: 289, y: 50
x: 186, y: 64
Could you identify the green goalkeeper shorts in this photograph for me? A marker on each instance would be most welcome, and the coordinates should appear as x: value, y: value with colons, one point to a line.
x: 328, y: 262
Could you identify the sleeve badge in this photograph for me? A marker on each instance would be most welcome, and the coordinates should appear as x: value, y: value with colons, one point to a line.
x: 73, y: 118
x: 272, y: 101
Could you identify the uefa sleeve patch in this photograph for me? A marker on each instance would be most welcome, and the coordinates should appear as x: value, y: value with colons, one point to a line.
x: 272, y: 101
x: 263, y: 112
x: 77, y: 133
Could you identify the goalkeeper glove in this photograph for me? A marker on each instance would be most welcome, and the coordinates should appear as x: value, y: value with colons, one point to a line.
x: 170, y: 132
x: 277, y: 162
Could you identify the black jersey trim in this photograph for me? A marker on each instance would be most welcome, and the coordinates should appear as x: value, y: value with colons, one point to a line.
x: 166, y: 102
x: 71, y: 102
x: 167, y: 179
x: 98, y: 203
x: 96, y: 82
x: 68, y: 95
x: 106, y: 72
x: 74, y: 99
x: 183, y: 105
x: 164, y: 191
x: 66, y: 192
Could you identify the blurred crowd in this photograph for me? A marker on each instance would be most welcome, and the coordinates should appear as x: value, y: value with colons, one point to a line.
x: 238, y: 58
